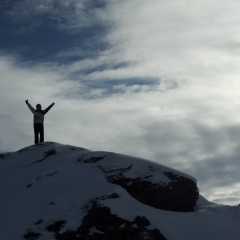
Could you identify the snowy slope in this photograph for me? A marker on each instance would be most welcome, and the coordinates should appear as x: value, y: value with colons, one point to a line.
x: 48, y: 182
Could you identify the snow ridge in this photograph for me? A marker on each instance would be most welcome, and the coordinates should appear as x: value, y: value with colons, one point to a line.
x: 50, y: 191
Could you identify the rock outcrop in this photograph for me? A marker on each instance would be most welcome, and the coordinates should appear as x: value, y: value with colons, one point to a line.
x: 153, y: 185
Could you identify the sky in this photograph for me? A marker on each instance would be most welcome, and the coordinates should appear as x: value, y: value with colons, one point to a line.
x: 153, y: 79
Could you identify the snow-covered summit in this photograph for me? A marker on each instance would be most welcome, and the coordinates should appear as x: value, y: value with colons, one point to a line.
x: 54, y: 191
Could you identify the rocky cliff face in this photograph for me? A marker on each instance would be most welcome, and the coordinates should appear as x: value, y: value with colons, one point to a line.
x: 74, y: 193
x: 153, y: 185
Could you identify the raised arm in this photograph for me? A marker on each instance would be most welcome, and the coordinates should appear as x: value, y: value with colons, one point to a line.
x: 30, y: 106
x: 48, y: 108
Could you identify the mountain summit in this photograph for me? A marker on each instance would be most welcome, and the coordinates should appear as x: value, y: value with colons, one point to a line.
x: 53, y: 191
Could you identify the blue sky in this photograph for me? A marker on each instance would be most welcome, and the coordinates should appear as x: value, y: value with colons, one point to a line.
x: 153, y: 79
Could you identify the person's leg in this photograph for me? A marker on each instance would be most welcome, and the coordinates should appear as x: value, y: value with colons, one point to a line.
x: 41, y: 133
x: 36, y: 133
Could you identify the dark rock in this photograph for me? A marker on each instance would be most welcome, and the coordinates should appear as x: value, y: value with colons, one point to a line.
x: 51, y: 174
x: 46, y: 155
x: 101, y: 224
x: 38, y: 222
x: 32, y: 235
x: 179, y: 195
x: 56, y: 227
x: 49, y: 153
x: 68, y: 235
x: 93, y: 159
x: 4, y: 155
x: 173, y: 191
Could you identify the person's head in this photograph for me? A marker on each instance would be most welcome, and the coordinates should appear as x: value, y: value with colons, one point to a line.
x: 38, y: 106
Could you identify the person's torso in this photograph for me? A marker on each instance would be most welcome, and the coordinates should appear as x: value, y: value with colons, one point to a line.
x: 38, y: 116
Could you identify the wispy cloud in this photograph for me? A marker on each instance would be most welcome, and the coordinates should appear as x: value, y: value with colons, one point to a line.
x: 67, y: 14
x: 177, y: 39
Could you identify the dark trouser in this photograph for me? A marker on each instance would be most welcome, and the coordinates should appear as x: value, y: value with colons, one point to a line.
x: 38, y: 130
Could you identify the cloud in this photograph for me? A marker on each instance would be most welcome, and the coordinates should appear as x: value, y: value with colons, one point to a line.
x: 177, y: 39
x: 68, y: 14
x: 60, y: 32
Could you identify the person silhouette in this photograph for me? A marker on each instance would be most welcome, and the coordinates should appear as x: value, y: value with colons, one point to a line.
x: 38, y: 120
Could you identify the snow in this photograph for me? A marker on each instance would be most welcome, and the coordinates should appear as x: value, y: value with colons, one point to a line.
x: 34, y: 189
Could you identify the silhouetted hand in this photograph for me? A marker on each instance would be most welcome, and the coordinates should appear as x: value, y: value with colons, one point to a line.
x: 26, y: 101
